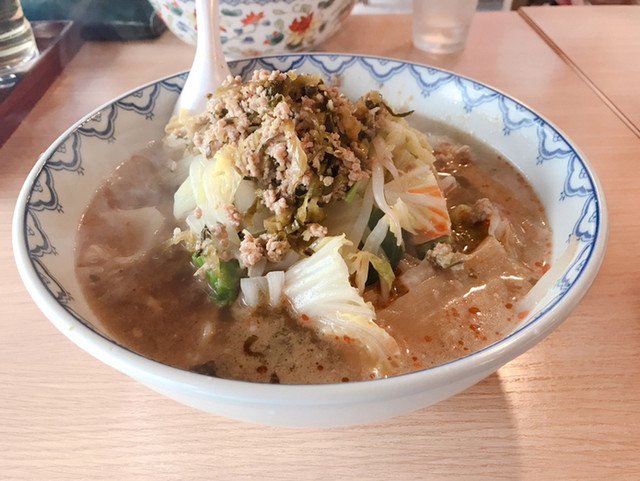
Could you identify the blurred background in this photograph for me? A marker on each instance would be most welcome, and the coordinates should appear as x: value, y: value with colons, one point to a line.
x: 135, y: 19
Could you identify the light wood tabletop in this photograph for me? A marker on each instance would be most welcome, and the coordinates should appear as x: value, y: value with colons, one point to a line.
x: 568, y: 409
x: 603, y: 46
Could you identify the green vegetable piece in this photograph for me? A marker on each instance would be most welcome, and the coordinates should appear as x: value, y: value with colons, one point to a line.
x: 354, y: 190
x: 274, y: 88
x: 390, y: 244
x: 225, y: 282
x: 198, y: 260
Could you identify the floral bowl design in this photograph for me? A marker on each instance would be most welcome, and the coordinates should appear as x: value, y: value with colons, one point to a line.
x: 257, y: 27
x: 66, y: 176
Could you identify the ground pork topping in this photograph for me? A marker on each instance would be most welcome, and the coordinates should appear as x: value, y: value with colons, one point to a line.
x: 285, y: 124
x: 235, y: 217
x: 444, y: 256
x: 271, y: 246
x: 275, y: 247
x: 482, y: 210
x: 449, y: 154
x: 299, y: 142
x: 251, y: 250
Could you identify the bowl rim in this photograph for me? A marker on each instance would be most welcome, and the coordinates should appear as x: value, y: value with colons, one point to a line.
x: 154, y: 372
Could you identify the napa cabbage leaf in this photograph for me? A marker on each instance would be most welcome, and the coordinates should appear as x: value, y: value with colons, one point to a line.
x: 318, y: 288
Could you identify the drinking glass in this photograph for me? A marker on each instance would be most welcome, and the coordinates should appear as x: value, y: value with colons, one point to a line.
x: 17, y: 43
x: 442, y: 26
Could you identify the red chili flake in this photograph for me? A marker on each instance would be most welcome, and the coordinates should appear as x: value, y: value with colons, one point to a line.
x: 347, y: 338
x: 345, y: 379
x: 262, y: 369
x: 508, y: 305
x: 320, y: 367
x: 474, y: 310
x: 522, y: 314
x: 304, y: 317
x: 428, y: 338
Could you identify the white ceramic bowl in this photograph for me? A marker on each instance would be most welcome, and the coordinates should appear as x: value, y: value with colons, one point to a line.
x: 67, y: 174
x: 260, y: 27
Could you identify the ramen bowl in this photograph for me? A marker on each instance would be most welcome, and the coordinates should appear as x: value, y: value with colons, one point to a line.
x: 66, y: 176
x: 260, y: 27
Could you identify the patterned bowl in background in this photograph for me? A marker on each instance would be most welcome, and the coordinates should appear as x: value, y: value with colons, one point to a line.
x: 258, y: 27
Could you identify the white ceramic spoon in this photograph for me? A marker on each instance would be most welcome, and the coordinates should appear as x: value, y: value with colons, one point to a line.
x: 209, y: 67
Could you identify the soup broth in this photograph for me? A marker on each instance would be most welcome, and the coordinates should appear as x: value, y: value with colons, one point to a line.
x: 144, y: 291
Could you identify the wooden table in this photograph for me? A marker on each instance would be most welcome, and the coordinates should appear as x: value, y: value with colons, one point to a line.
x: 602, y: 46
x: 567, y: 409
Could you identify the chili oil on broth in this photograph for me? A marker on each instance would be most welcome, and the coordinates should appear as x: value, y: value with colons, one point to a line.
x: 145, y: 294
x: 454, y: 312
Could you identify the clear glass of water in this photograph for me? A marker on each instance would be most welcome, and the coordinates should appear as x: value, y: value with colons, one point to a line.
x: 442, y: 26
x: 17, y: 42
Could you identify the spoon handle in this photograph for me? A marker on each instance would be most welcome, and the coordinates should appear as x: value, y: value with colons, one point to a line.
x: 209, y: 68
